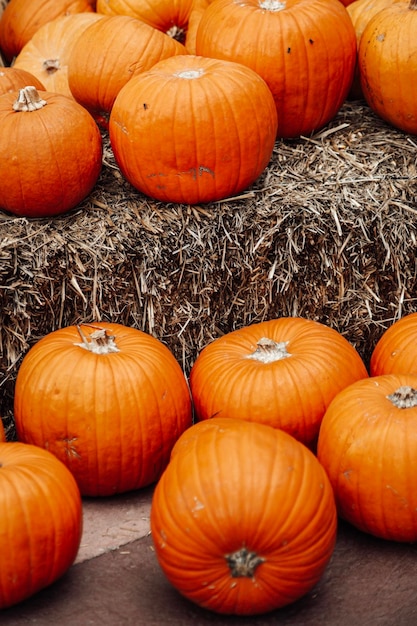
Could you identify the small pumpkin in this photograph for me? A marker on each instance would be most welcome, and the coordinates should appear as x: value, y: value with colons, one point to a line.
x: 368, y: 446
x: 109, y: 53
x: 50, y: 153
x: 193, y: 129
x: 13, y: 79
x: 396, y: 349
x: 283, y: 372
x: 243, y: 519
x: 108, y: 400
x: 305, y: 50
x: 387, y: 64
x: 47, y: 53
x: 40, y: 521
x: 22, y: 18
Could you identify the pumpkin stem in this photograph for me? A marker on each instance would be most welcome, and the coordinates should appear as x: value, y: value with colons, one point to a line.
x: 99, y: 342
x: 404, y: 397
x: 413, y: 5
x: 272, y: 5
x: 177, y: 33
x: 28, y: 99
x: 269, y: 351
x: 51, y: 65
x: 243, y: 563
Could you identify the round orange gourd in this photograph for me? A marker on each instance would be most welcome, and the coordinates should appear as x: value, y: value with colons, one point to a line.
x: 282, y: 372
x: 396, y: 350
x: 109, y: 53
x: 368, y: 446
x: 13, y: 79
x: 22, y: 18
x: 193, y: 129
x: 387, y: 64
x: 304, y: 49
x: 47, y: 53
x: 243, y: 519
x: 109, y: 401
x: 40, y: 521
x: 50, y: 153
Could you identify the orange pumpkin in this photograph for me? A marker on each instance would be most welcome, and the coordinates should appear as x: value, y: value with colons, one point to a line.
x: 395, y: 352
x: 193, y: 129
x: 50, y: 153
x: 243, y: 519
x: 22, y: 18
x: 109, y: 401
x: 304, y: 49
x: 368, y: 446
x: 47, y: 53
x: 131, y: 47
x: 13, y: 79
x: 387, y: 66
x: 40, y: 521
x: 282, y: 372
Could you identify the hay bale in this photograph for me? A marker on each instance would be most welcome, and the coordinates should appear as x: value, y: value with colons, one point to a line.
x: 328, y: 232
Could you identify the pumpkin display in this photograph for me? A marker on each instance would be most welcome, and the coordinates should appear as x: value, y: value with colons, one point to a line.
x: 12, y: 79
x: 193, y: 129
x: 47, y: 53
x: 169, y: 16
x: 308, y: 61
x: 108, y: 400
x: 40, y: 521
x: 131, y: 47
x: 22, y: 18
x: 387, y: 59
x: 282, y: 372
x: 50, y: 153
x: 368, y: 446
x: 243, y: 519
x: 396, y: 350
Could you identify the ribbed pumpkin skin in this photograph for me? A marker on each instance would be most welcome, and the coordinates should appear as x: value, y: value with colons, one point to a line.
x: 40, y: 521
x: 161, y: 14
x: 368, y: 448
x: 50, y: 48
x: 305, y: 50
x: 396, y: 350
x: 109, y: 53
x: 13, y: 79
x: 22, y: 18
x: 237, y: 485
x: 291, y: 393
x: 58, y: 142
x: 387, y: 59
x: 193, y: 129
x: 112, y: 419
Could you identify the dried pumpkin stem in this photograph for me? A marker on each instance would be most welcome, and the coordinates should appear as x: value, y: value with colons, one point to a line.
x: 243, y: 563
x: 51, y: 65
x: 269, y: 351
x: 28, y: 99
x: 99, y: 342
x: 404, y: 397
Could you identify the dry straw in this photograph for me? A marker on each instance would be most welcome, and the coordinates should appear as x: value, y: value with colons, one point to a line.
x: 328, y: 232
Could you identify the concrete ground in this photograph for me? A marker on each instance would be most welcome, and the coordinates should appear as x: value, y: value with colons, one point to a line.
x: 116, y: 581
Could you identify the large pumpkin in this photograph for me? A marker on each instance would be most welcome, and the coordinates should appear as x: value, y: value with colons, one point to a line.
x: 47, y: 53
x: 387, y: 59
x: 281, y: 372
x: 368, y: 447
x: 243, y: 519
x: 109, y: 53
x: 40, y: 521
x: 193, y: 129
x: 50, y: 153
x: 304, y: 49
x: 109, y: 401
x: 396, y: 350
x: 22, y: 18
x: 13, y: 79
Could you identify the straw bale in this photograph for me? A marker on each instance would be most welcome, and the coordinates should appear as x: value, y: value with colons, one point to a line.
x: 328, y: 232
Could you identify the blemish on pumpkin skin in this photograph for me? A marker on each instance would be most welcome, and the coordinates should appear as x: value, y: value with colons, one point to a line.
x: 69, y: 448
x: 381, y: 37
